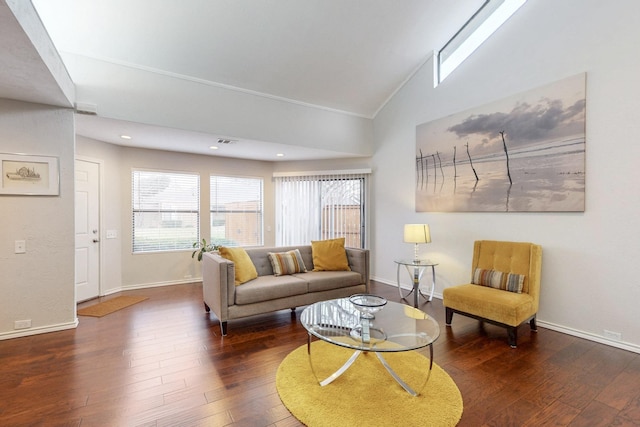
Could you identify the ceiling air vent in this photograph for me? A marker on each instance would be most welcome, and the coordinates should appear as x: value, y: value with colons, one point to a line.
x: 226, y: 141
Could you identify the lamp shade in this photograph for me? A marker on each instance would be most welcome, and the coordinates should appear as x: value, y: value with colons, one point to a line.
x: 417, y: 233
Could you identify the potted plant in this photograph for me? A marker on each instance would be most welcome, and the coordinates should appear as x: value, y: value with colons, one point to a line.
x: 202, y: 247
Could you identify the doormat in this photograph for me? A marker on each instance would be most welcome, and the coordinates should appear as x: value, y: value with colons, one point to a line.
x: 109, y: 306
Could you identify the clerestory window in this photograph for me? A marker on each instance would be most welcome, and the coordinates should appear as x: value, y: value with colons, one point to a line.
x: 491, y: 15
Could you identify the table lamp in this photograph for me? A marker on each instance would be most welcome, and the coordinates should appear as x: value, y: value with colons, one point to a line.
x: 416, y: 233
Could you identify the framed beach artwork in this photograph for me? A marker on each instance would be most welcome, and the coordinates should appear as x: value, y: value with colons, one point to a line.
x: 29, y: 175
x: 525, y: 153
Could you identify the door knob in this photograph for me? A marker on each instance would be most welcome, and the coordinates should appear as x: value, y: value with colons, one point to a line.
x: 96, y: 240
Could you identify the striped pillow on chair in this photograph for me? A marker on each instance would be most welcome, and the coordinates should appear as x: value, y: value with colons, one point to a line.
x: 497, y: 279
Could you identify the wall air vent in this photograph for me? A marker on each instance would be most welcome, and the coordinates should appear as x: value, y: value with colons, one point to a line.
x: 85, y: 108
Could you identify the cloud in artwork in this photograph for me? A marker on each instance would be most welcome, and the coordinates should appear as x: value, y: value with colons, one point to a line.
x: 525, y: 123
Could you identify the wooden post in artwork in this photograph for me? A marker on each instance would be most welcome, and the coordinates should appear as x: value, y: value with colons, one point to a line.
x: 506, y: 153
x: 422, y: 169
x: 433, y: 156
x: 455, y: 171
x: 471, y: 163
x: 440, y: 164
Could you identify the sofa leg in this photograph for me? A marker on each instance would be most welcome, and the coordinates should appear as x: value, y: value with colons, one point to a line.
x: 223, y: 328
x: 532, y: 324
x: 448, y: 316
x: 206, y: 308
x: 513, y: 336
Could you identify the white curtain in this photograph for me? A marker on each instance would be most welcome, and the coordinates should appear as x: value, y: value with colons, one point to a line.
x: 321, y: 205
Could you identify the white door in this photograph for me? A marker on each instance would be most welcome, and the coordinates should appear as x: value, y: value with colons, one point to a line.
x: 87, y: 230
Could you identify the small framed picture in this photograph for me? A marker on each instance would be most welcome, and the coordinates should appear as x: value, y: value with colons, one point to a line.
x: 29, y: 175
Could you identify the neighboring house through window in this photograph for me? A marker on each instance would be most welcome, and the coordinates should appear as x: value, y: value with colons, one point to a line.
x: 166, y: 213
x: 236, y: 211
x: 318, y: 206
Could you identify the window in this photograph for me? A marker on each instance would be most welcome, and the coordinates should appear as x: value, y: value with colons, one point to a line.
x: 166, y: 213
x: 321, y: 206
x: 236, y: 211
x: 491, y: 15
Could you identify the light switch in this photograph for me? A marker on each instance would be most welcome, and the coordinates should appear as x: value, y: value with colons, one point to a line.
x: 21, y: 247
x: 112, y: 234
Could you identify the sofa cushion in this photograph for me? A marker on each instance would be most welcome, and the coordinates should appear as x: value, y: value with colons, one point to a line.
x: 329, y: 255
x: 244, y: 268
x: 327, y: 280
x: 511, y: 282
x: 266, y: 288
x: 289, y: 262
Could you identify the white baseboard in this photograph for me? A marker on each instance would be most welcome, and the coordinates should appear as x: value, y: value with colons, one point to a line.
x: 547, y: 325
x: 151, y: 285
x: 39, y: 330
x: 589, y: 336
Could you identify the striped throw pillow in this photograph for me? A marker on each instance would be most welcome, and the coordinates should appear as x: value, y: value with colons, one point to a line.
x: 287, y: 262
x: 514, y: 282
x: 497, y: 279
x: 491, y: 278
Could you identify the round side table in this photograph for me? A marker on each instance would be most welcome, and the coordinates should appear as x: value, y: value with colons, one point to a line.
x: 416, y: 268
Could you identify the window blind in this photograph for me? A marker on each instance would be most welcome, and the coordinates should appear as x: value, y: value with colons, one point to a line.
x: 236, y: 211
x: 166, y: 213
x: 319, y: 206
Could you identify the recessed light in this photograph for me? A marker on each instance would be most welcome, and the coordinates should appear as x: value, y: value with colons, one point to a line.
x: 213, y: 147
x: 125, y: 136
x: 280, y: 155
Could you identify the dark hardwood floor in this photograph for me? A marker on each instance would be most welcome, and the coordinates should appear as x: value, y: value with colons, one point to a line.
x: 163, y: 363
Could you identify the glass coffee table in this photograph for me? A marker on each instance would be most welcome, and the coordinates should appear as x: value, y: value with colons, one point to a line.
x: 394, y: 328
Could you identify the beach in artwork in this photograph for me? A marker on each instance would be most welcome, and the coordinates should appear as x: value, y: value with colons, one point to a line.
x: 522, y: 154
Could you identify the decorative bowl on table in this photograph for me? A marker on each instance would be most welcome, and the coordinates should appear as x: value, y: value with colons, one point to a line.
x: 367, y: 304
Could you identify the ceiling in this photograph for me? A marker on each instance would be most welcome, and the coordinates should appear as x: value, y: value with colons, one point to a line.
x: 344, y: 56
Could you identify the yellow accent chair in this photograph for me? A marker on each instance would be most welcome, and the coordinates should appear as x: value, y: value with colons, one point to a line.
x: 504, y: 288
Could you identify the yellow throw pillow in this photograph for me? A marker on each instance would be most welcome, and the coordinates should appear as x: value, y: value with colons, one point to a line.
x: 329, y: 255
x: 245, y: 270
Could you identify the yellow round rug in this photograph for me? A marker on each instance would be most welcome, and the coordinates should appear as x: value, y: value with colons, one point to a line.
x: 366, y: 394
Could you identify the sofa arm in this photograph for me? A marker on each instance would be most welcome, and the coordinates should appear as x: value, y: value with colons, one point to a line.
x: 218, y: 275
x: 359, y: 262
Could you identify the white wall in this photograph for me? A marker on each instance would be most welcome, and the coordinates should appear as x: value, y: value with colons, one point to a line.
x: 121, y: 269
x: 130, y: 94
x: 39, y: 284
x: 589, y: 277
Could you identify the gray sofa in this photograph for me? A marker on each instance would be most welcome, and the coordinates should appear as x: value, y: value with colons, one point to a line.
x: 269, y: 293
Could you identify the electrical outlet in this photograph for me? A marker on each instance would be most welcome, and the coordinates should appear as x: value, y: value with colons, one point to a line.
x: 20, y: 247
x: 22, y: 324
x: 614, y: 336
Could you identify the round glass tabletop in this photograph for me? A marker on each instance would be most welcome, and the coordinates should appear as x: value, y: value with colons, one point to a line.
x: 395, y: 327
x: 416, y: 263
